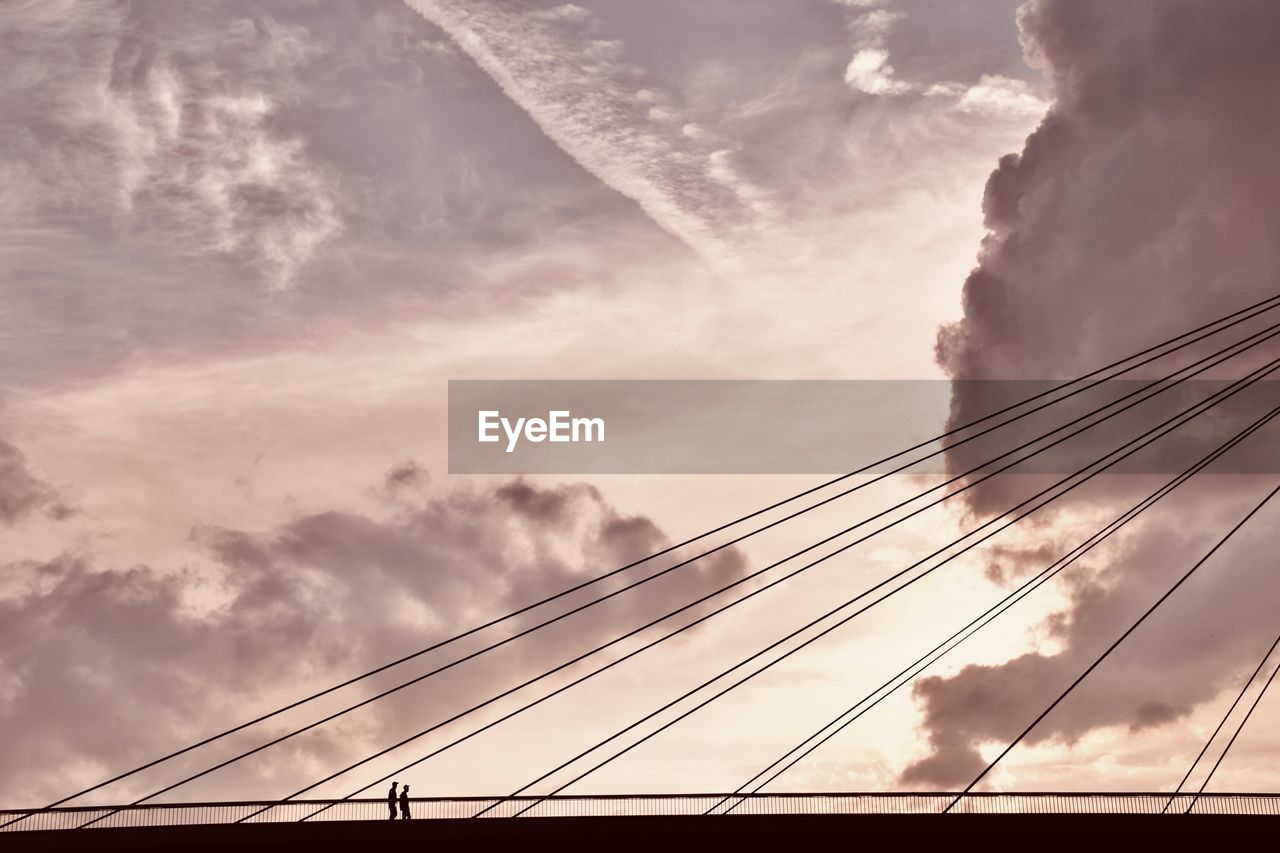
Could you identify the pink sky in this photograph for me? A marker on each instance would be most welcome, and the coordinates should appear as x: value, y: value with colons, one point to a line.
x: 246, y: 245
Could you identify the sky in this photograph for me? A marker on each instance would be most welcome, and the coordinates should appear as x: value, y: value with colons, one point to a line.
x: 246, y: 245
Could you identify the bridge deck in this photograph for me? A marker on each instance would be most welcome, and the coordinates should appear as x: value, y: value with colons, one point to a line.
x: 630, y: 805
x: 956, y: 832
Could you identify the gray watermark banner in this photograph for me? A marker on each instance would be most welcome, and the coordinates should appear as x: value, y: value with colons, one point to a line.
x: 830, y: 426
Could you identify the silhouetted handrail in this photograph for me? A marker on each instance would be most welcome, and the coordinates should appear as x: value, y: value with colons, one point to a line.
x: 601, y: 805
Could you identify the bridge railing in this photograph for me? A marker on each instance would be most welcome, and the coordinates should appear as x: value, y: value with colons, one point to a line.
x: 435, y: 808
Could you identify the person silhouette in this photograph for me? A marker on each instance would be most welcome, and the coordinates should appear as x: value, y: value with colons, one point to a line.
x: 404, y: 803
x: 391, y: 800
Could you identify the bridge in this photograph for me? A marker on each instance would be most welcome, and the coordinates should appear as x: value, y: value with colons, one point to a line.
x: 986, y: 819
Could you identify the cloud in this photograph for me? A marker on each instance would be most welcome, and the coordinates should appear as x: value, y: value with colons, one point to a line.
x: 185, y: 182
x: 1138, y: 208
x: 455, y: 201
x: 406, y: 475
x: 161, y: 657
x: 21, y: 493
x: 601, y: 111
x: 993, y: 95
x: 1196, y: 645
x: 1122, y: 217
x: 148, y: 134
x: 869, y: 71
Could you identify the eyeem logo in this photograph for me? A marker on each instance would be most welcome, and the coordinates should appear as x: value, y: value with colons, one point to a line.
x: 559, y: 426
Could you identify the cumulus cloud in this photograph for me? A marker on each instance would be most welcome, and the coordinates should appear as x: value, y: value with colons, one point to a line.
x: 993, y: 95
x: 1139, y: 207
x: 1197, y: 645
x: 406, y: 475
x: 21, y: 493
x: 1121, y: 217
x: 161, y: 657
x: 871, y: 72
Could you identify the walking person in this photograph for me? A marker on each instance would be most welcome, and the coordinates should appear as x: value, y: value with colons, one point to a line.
x: 404, y: 803
x: 391, y: 800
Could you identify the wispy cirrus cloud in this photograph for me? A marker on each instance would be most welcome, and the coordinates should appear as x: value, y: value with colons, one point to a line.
x: 151, y: 138
x: 599, y: 108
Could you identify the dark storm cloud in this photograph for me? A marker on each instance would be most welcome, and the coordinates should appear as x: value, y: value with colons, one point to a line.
x: 1196, y: 645
x: 161, y: 657
x: 1142, y: 206
x: 1143, y: 202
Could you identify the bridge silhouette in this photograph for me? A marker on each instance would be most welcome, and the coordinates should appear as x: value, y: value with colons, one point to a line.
x: 294, y: 821
x: 983, y: 820
x: 654, y: 805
